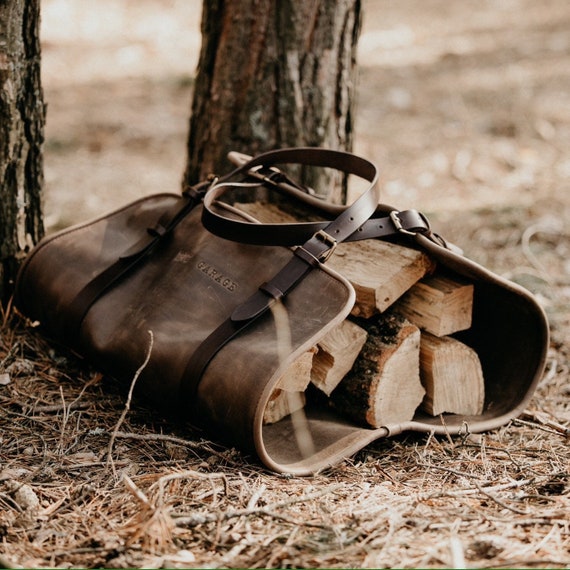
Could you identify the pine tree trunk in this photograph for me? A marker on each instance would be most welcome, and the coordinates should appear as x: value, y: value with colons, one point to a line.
x: 273, y: 74
x: 22, y: 117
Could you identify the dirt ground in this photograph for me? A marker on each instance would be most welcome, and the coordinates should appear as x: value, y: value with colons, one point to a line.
x: 465, y: 106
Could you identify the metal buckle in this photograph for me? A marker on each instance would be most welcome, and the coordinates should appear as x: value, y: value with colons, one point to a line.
x: 198, y: 191
x: 398, y: 223
x: 328, y: 240
x: 277, y: 177
x: 271, y: 177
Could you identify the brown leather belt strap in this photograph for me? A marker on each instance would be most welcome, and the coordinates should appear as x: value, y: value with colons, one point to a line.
x: 311, y: 253
x: 243, y: 316
x: 339, y: 229
x: 129, y: 260
x: 291, y: 234
x: 318, y: 240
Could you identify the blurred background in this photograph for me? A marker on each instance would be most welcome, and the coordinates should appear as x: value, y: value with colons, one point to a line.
x: 464, y: 105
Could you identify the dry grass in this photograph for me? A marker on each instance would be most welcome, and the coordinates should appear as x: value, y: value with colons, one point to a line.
x: 89, y: 479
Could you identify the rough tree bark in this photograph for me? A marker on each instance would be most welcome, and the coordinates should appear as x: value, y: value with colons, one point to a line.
x: 22, y: 117
x: 273, y: 74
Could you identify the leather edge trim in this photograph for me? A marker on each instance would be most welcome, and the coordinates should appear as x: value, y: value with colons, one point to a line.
x: 309, y: 465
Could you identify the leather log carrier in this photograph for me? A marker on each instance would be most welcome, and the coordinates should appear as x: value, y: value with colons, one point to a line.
x: 211, y: 284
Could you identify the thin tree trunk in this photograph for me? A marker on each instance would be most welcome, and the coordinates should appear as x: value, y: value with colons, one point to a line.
x: 22, y: 117
x: 273, y: 74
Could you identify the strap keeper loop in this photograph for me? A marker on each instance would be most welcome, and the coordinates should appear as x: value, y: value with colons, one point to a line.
x: 193, y: 193
x: 157, y: 231
x: 198, y: 191
x: 306, y: 256
x: 271, y: 290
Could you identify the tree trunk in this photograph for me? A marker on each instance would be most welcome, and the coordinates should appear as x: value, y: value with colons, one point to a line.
x: 22, y: 117
x: 274, y: 74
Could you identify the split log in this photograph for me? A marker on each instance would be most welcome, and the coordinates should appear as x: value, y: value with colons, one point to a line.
x: 282, y: 403
x: 438, y: 304
x: 452, y: 376
x: 288, y: 395
x: 336, y: 354
x: 384, y: 384
x: 380, y: 272
x: 297, y: 377
x: 391, y: 376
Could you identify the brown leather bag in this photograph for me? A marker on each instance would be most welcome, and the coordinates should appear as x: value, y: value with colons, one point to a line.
x: 207, y: 280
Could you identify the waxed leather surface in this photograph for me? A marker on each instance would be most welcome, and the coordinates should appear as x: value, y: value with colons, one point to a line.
x: 510, y: 334
x: 181, y: 293
x: 194, y: 279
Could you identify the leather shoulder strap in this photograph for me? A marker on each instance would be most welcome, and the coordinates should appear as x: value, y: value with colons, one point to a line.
x: 348, y: 220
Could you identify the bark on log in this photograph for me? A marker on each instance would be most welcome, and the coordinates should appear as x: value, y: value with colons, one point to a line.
x: 384, y: 385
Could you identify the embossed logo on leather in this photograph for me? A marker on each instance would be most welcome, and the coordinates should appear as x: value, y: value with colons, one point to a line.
x: 217, y: 276
x: 183, y: 257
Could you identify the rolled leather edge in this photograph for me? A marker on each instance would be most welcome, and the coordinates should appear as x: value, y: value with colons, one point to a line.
x: 515, y: 372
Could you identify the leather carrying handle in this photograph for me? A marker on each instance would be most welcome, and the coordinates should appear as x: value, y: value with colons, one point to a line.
x: 306, y: 257
x: 349, y: 219
x: 288, y: 186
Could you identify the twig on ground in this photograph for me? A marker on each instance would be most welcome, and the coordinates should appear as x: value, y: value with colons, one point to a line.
x: 128, y: 402
x: 448, y: 470
x: 268, y: 510
x: 75, y: 405
x: 188, y: 474
x: 542, y: 420
x: 525, y: 245
x: 64, y: 419
x: 136, y: 492
x: 499, y: 501
x: 549, y: 427
x: 6, y: 313
x: 159, y: 437
x: 487, y: 490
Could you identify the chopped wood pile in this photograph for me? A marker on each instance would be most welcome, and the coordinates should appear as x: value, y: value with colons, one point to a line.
x: 394, y: 355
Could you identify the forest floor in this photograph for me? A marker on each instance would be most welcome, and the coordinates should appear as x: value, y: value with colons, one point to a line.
x: 466, y: 108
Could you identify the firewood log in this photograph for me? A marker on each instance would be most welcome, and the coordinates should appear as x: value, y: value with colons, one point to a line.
x: 380, y: 272
x: 375, y: 372
x: 336, y: 353
x: 452, y: 376
x: 297, y: 376
x: 288, y: 395
x: 384, y: 385
x: 438, y: 304
x: 281, y: 404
